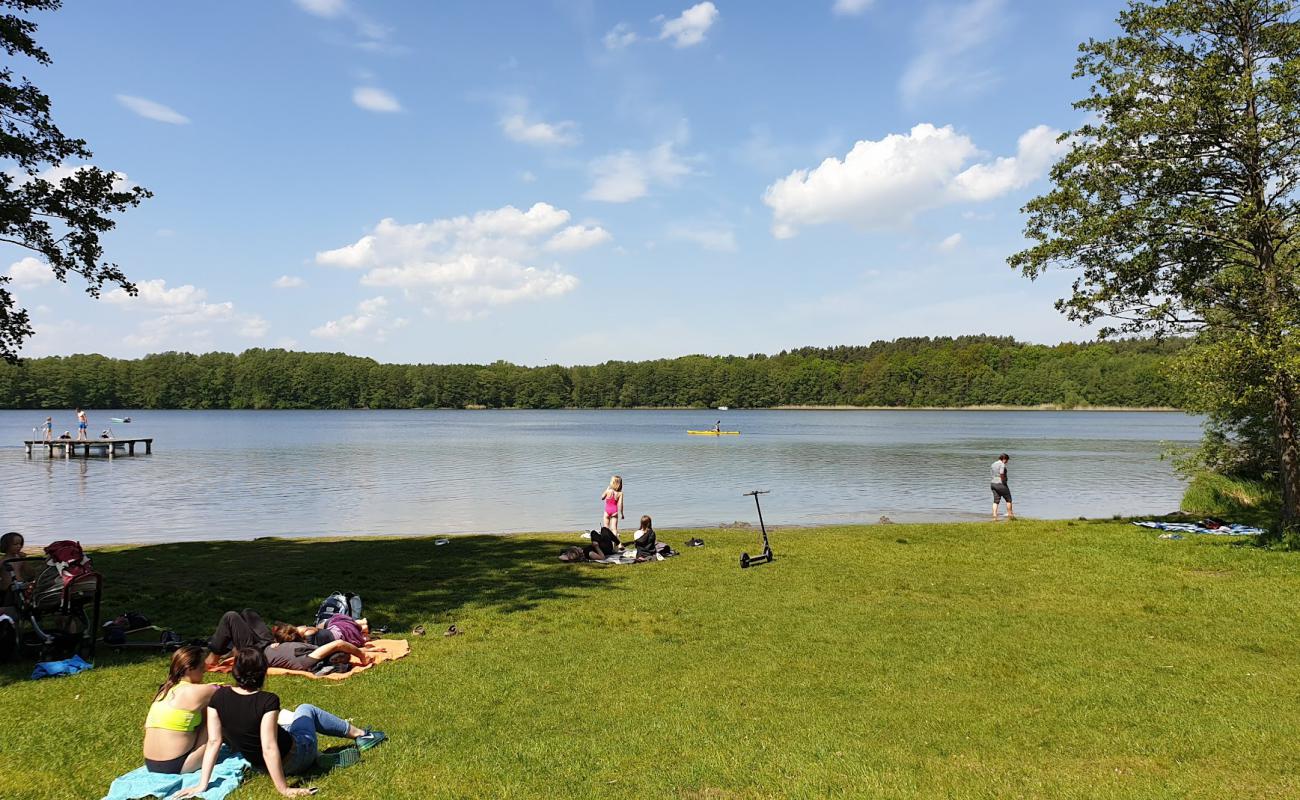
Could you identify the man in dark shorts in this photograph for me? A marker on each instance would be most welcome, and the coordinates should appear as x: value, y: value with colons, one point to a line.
x: 998, y: 484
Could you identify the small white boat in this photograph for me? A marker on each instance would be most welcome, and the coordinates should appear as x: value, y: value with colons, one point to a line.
x: 723, y: 408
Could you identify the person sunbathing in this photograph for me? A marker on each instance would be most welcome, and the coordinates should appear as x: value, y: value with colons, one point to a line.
x: 174, y: 733
x: 290, y: 650
x: 282, y: 743
x: 337, y: 626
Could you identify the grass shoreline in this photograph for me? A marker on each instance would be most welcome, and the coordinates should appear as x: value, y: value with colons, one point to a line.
x: 965, y: 660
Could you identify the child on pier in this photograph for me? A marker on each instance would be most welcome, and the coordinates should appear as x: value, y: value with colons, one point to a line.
x: 613, y: 499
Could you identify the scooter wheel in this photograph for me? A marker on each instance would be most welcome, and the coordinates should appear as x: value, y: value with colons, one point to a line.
x: 744, y: 560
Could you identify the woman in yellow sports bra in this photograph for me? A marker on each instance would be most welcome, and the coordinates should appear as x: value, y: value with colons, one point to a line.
x: 174, y: 735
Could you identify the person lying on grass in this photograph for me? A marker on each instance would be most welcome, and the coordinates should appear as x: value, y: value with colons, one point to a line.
x: 290, y: 650
x: 604, y: 543
x: 174, y: 733
x: 338, y: 626
x: 279, y: 742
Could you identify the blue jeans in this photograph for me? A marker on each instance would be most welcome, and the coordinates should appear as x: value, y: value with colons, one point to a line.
x: 307, y: 722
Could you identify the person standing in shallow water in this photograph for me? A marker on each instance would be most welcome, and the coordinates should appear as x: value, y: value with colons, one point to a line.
x: 998, y: 483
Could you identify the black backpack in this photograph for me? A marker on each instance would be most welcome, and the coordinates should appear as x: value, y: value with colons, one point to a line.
x: 339, y: 603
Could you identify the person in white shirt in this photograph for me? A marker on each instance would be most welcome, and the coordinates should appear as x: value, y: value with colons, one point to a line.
x: 999, y: 485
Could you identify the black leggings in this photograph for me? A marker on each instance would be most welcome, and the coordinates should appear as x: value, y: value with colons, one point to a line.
x: 239, y: 630
x: 605, y: 542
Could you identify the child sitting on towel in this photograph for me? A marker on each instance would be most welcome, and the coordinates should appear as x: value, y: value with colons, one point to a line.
x: 644, y: 537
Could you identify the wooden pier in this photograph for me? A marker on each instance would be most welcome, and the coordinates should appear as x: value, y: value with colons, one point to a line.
x: 85, y: 448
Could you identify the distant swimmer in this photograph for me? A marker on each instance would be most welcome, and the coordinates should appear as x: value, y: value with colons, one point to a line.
x: 999, y: 485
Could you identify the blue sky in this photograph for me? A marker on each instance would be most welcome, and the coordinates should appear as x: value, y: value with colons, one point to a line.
x: 561, y: 181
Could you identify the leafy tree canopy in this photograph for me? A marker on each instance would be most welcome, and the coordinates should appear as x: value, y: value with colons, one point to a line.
x: 47, y: 204
x: 1177, y: 201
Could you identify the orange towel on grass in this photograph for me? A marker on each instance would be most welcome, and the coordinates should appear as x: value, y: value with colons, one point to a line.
x: 378, y: 650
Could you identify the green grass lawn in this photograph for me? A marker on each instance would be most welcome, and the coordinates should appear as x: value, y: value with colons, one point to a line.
x: 1034, y: 659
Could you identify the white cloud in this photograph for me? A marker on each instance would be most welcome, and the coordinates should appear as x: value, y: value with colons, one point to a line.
x: 619, y: 36
x: 322, y: 8
x: 468, y: 263
x: 950, y: 243
x: 288, y: 282
x: 1036, y: 150
x: 626, y: 175
x: 29, y: 272
x: 518, y: 128
x: 527, y: 176
x: 155, y: 294
x: 372, y: 98
x: 948, y: 35
x: 689, y: 28
x: 152, y: 110
x: 577, y: 237
x: 884, y: 184
x: 717, y: 239
x: 184, y: 316
x: 850, y: 7
x: 370, y: 320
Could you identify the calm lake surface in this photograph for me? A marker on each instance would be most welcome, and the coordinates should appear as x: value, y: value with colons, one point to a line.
x: 242, y: 474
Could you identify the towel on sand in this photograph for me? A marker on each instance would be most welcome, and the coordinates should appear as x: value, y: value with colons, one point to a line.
x: 140, y: 782
x: 68, y: 666
x: 1192, y: 527
x: 378, y: 650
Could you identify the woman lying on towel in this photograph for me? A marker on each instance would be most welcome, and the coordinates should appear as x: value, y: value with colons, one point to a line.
x: 339, y: 626
x: 291, y: 650
x: 250, y: 721
x: 174, y: 736
x: 604, y: 543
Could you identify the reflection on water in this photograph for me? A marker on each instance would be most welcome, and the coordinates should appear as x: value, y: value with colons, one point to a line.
x: 230, y: 474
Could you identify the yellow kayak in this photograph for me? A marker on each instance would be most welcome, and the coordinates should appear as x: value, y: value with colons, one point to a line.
x: 713, y: 433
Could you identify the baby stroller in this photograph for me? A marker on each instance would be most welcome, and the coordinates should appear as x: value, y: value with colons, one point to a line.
x: 53, y: 619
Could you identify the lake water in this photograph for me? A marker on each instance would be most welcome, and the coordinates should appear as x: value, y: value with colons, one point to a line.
x: 242, y: 474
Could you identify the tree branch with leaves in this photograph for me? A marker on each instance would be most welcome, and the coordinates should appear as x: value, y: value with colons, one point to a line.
x: 48, y: 205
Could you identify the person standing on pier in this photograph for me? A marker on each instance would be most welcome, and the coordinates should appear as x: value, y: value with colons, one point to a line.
x: 81, y: 425
x: 48, y: 428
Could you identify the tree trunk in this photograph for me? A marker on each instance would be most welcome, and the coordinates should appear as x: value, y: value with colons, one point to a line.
x: 1288, y: 452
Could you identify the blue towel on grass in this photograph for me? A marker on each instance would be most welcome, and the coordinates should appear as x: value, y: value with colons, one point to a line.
x: 1191, y: 527
x: 226, y: 777
x: 68, y: 666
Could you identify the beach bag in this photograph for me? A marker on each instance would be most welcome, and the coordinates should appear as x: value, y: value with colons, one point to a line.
x: 338, y: 603
x: 68, y: 558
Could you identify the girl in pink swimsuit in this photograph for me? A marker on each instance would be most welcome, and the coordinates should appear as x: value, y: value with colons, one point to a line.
x: 613, y: 497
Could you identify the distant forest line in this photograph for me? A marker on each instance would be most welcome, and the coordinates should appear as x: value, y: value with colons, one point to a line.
x: 911, y: 372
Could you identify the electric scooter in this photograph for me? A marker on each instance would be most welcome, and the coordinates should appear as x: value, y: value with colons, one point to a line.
x: 766, y: 556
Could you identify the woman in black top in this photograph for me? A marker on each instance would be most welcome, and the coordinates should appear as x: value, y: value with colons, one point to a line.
x: 247, y: 719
